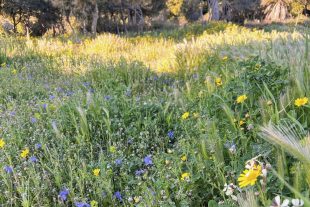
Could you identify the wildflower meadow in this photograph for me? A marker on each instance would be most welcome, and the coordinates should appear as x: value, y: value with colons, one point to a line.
x: 211, y: 115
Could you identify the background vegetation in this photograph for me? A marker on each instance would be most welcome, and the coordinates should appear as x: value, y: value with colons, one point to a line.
x: 151, y: 120
x: 151, y: 103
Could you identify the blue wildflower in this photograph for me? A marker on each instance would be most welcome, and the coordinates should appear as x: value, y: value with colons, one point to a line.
x: 33, y: 159
x: 130, y: 141
x: 139, y: 172
x: 171, y: 134
x: 44, y: 106
x: 86, y: 84
x: 52, y: 97
x: 118, y: 161
x: 148, y: 160
x: 63, y: 194
x: 107, y: 98
x: 70, y: 93
x: 118, y: 196
x: 59, y: 89
x: 8, y: 169
x: 38, y: 146
x: 81, y: 204
x: 12, y: 113
x: 33, y: 120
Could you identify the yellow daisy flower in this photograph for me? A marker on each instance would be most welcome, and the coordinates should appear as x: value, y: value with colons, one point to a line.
x: 24, y: 153
x: 96, y: 172
x: 185, y: 176
x: 301, y: 101
x: 185, y: 115
x: 241, y: 122
x: 249, y: 176
x: 2, y: 143
x: 184, y: 158
x: 241, y: 98
x: 218, y: 82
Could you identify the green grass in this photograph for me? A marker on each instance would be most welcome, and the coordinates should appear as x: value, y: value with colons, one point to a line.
x: 112, y: 103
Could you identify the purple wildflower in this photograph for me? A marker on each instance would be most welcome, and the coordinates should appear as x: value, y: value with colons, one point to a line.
x: 118, y: 196
x: 118, y: 161
x: 52, y: 97
x: 44, y: 106
x: 38, y: 146
x: 70, y: 93
x: 148, y: 160
x: 139, y: 172
x: 33, y: 120
x: 33, y: 159
x: 81, y: 204
x: 86, y: 84
x: 59, y: 89
x: 171, y: 134
x: 8, y: 169
x: 63, y: 194
x: 107, y: 98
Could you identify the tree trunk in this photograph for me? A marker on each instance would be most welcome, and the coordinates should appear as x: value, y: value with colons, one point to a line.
x: 95, y: 20
x: 214, y: 13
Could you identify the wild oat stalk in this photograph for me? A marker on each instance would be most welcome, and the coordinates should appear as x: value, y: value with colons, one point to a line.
x: 289, y: 139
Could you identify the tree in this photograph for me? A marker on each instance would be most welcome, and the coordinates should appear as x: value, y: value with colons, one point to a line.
x: 214, y: 13
x: 276, y: 10
x: 21, y: 11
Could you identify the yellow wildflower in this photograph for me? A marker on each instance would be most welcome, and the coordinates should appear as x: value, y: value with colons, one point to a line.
x: 241, y: 122
x: 185, y: 176
x: 184, y: 158
x: 94, y: 203
x: 112, y: 149
x: 2, y: 143
x: 185, y: 115
x: 136, y: 199
x: 218, y: 82
x: 225, y: 58
x: 14, y: 72
x: 301, y: 101
x: 37, y: 116
x: 249, y: 176
x: 96, y: 172
x: 24, y: 153
x: 241, y: 98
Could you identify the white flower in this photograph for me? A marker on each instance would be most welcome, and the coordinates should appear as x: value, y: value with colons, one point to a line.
x: 276, y: 202
x: 229, y: 189
x: 264, y: 172
x: 297, y: 202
